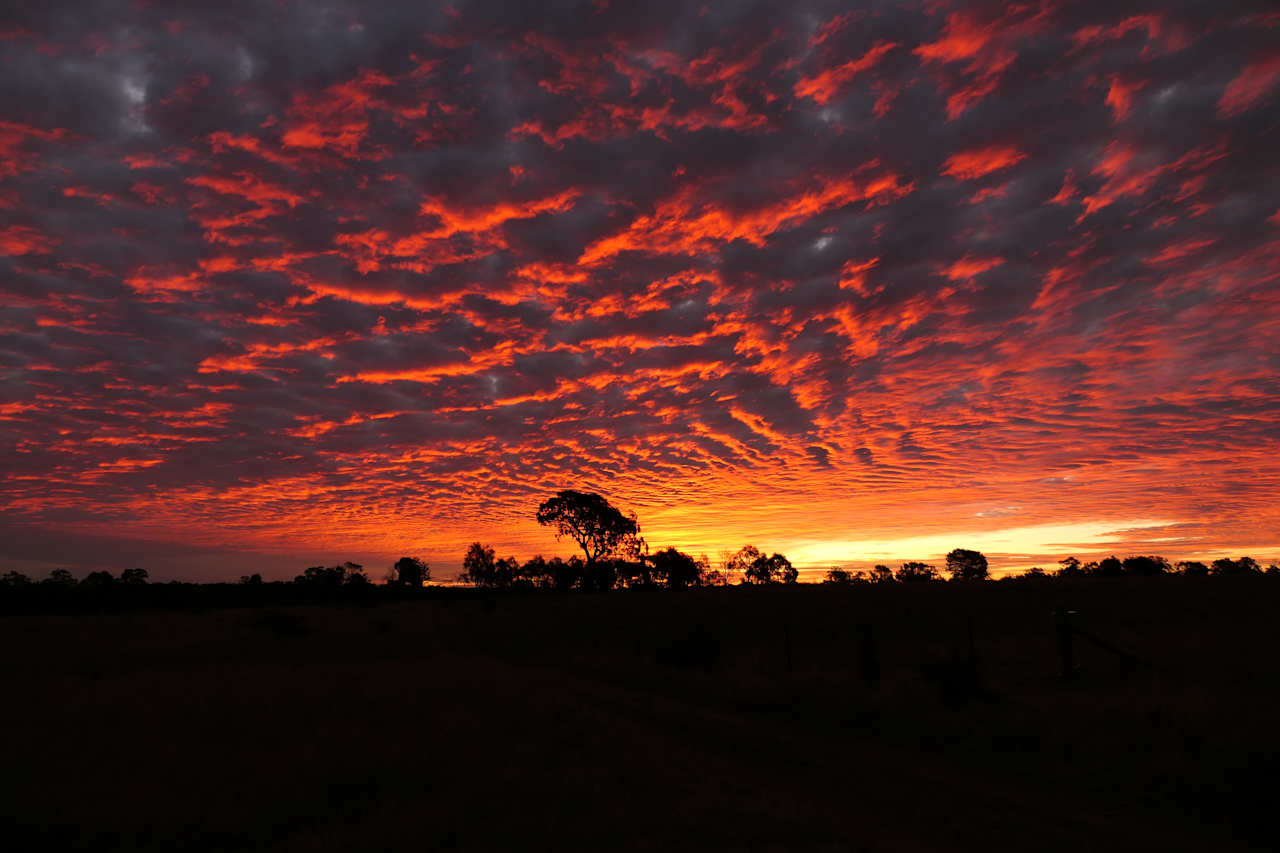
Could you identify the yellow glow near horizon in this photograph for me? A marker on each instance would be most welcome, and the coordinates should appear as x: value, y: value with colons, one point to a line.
x: 1053, y: 541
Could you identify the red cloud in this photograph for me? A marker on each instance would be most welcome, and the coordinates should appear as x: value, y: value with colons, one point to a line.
x: 23, y: 240
x: 687, y: 223
x: 1253, y: 84
x: 968, y: 165
x: 968, y: 267
x: 988, y: 48
x: 828, y: 84
x: 1120, y: 96
x: 13, y: 138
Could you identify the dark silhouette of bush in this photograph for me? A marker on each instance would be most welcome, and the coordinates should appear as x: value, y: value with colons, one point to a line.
x: 411, y: 572
x: 966, y: 565
x: 737, y: 564
x: 565, y: 574
x: 600, y: 576
x: 599, y: 528
x: 881, y: 573
x: 633, y: 574
x: 59, y: 578
x: 14, y: 580
x: 1146, y: 566
x: 714, y: 577
x: 134, y: 576
x: 480, y: 567
x: 756, y: 568
x: 254, y: 579
x: 333, y: 578
x: 98, y: 580
x: 837, y: 575
x: 1070, y: 568
x: 537, y: 573
x: 675, y: 569
x: 1242, y: 566
x: 1108, y: 568
x: 916, y: 573
x: 1193, y: 568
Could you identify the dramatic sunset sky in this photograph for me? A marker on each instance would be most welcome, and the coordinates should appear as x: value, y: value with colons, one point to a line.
x: 284, y: 283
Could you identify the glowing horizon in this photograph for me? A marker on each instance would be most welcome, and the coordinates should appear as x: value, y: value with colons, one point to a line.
x: 315, y: 283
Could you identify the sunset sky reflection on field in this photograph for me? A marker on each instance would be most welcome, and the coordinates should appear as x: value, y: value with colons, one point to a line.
x: 303, y: 282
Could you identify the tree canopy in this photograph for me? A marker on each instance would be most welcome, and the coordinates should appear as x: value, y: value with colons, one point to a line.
x: 599, y: 528
x: 411, y: 572
x: 755, y: 567
x: 966, y: 565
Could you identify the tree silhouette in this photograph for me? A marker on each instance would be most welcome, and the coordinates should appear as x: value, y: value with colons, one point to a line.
x: 675, y: 569
x: 565, y: 574
x: 60, y: 578
x: 333, y: 578
x: 756, y: 568
x: 535, y: 574
x: 134, y: 576
x: 837, y: 575
x: 1242, y: 566
x: 599, y: 528
x: 966, y: 565
x: 738, y: 564
x: 411, y: 572
x: 15, y: 579
x: 1110, y: 567
x: 634, y: 574
x: 780, y: 569
x: 916, y: 572
x: 1193, y: 568
x: 98, y: 580
x: 1146, y: 566
x: 714, y: 577
x: 480, y: 567
x: 1070, y: 568
x: 881, y: 574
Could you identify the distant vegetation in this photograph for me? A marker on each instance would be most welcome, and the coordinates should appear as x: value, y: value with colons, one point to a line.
x: 614, y: 556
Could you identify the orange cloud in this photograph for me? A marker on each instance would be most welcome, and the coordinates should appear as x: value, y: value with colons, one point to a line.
x: 686, y: 223
x: 968, y: 267
x: 826, y: 85
x: 967, y: 165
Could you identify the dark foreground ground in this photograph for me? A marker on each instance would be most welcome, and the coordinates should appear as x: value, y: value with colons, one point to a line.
x: 918, y: 717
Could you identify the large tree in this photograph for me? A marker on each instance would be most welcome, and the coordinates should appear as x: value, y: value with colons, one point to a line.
x: 480, y: 566
x: 757, y: 568
x: 599, y: 528
x: 676, y: 569
x: 914, y: 572
x: 966, y: 565
x: 411, y: 572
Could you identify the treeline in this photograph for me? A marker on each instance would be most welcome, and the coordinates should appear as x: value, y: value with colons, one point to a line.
x: 100, y: 590
x: 410, y: 578
x: 1071, y: 567
x: 614, y: 555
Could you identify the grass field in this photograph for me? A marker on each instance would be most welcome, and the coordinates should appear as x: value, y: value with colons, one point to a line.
x: 903, y: 717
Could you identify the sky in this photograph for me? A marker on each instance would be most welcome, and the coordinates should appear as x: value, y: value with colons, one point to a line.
x: 300, y: 282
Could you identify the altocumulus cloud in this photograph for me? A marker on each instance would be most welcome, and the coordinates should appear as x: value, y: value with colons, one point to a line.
x: 376, y: 277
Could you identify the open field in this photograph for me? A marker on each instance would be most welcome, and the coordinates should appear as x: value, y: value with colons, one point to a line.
x: 903, y: 717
